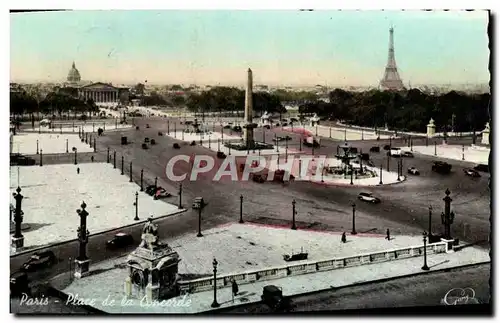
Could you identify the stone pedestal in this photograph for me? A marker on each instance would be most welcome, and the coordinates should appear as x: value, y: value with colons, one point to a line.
x: 128, y: 287
x: 81, y: 268
x: 152, y: 292
x: 449, y: 244
x: 17, y: 244
x: 486, y: 135
x: 431, y: 129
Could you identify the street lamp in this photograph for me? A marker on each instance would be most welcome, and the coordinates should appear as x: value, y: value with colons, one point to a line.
x: 435, y: 148
x: 354, y: 219
x: 425, y: 267
x: 180, y: 196
x: 388, y: 161
x: 463, y: 156
x: 76, y: 152
x: 199, y: 221
x: 293, y: 215
x: 352, y: 171
x: 448, y: 216
x: 107, y: 156
x: 136, y: 204
x: 41, y: 157
x: 241, y: 208
x: 430, y: 221
x: 37, y: 147
x: 380, y: 182
x: 122, y: 164
x: 142, y: 177
x: 130, y: 179
x: 215, y: 304
x: 114, y: 159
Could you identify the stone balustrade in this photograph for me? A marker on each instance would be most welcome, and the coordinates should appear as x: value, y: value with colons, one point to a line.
x: 307, y: 267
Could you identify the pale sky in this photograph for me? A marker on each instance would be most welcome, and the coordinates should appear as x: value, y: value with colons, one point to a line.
x: 282, y: 47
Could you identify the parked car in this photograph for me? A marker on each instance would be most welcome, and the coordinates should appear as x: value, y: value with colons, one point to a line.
x: 387, y: 147
x: 19, y: 283
x: 221, y: 155
x: 161, y: 193
x: 226, y: 126
x: 160, y: 133
x: 237, y: 129
x: 147, y: 126
x: 152, y: 142
x: 413, y: 171
x: 407, y: 154
x: 144, y: 146
x: 150, y: 190
x: 272, y: 296
x: 39, y: 260
x: 375, y: 149
x: 146, y: 140
x: 368, y: 197
x: 364, y: 156
x: 124, y: 141
x: 120, y: 240
x: 441, y: 167
x: 176, y: 146
x: 471, y: 172
x: 21, y: 160
x: 482, y: 168
x: 267, y: 126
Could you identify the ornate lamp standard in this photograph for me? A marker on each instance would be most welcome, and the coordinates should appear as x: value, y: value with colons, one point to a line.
x: 425, y: 267
x: 293, y: 215
x: 136, y: 204
x: 180, y: 196
x: 17, y: 241
x: 241, y: 208
x: 215, y: 304
x: 448, y: 216
x: 82, y: 261
x: 354, y: 219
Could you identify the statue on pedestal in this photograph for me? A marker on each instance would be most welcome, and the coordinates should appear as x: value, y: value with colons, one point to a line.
x: 149, y: 235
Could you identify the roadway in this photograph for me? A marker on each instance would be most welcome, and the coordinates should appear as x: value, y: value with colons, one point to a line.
x: 404, y: 207
x: 414, y: 291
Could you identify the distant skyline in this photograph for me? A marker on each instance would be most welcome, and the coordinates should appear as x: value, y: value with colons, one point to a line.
x: 331, y: 48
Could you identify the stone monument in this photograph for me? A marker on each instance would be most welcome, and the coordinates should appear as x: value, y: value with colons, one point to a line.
x: 249, y: 126
x: 486, y: 135
x: 431, y: 129
x: 152, y: 267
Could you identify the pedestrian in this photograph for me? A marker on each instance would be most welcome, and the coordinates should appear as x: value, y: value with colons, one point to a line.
x: 388, y: 237
x: 344, y: 239
x: 235, y: 288
x: 92, y: 158
x: 78, y: 170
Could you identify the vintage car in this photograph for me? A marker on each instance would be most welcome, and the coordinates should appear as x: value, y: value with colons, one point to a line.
x: 471, y: 172
x: 413, y: 171
x: 368, y: 197
x: 120, y: 240
x: 19, y: 283
x: 375, y: 149
x: 39, y: 260
x: 441, y: 167
x: 161, y: 193
x: 272, y: 296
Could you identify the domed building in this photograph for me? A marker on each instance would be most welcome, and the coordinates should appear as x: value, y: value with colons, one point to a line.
x: 73, y: 75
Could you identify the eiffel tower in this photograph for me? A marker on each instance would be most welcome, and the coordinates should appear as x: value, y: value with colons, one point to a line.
x: 391, y: 79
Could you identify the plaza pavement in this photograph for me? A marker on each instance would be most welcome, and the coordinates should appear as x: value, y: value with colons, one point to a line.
x: 474, y: 154
x: 26, y: 143
x: 89, y: 126
x: 53, y: 193
x: 241, y: 247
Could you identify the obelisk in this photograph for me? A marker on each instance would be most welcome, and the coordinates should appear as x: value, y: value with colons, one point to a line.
x: 249, y: 125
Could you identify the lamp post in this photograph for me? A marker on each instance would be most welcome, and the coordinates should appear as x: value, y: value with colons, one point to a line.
x: 218, y: 144
x: 264, y: 135
x: 241, y: 208
x: 277, y: 143
x: 354, y: 219
x: 37, y: 147
x: 425, y: 267
x: 94, y: 145
x: 293, y: 215
x: 430, y: 220
x: 209, y: 146
x: 215, y: 304
x: 76, y: 152
x: 286, y: 150
x: 300, y: 143
x: 463, y: 155
x: 199, y: 222
x: 18, y: 238
x: 345, y: 134
x: 130, y: 179
x: 86, y: 138
x: 399, y: 170
x: 180, y: 196
x: 352, y: 171
x: 156, y: 182
x: 82, y: 261
x: 330, y: 132
x: 435, y: 148
x: 388, y: 161
x: 41, y: 157
x: 136, y: 204
x: 175, y: 129
x: 411, y: 144
x: 114, y: 159
x: 380, y: 182
x: 168, y: 127
x: 122, y: 165
x: 107, y: 156
x: 448, y: 216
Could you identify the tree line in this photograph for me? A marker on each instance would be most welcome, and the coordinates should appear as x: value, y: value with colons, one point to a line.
x: 407, y: 111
